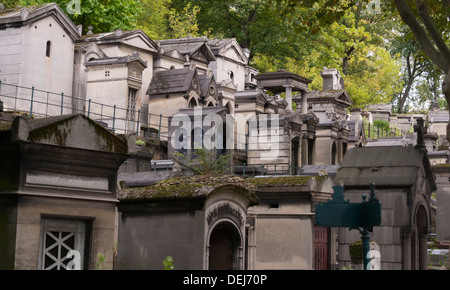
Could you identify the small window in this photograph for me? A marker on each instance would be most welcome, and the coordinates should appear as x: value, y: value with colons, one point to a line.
x: 231, y: 75
x: 48, y: 48
x: 274, y: 205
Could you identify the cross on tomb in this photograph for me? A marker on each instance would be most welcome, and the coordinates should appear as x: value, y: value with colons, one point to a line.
x: 420, y: 129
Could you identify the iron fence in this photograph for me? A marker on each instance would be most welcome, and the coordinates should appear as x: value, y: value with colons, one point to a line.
x: 39, y: 103
x: 374, y: 132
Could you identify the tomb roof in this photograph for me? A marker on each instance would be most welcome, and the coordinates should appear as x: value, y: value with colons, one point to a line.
x: 195, y: 47
x: 171, y: 81
x: 230, y: 49
x: 76, y: 131
x: 117, y: 59
x: 189, y: 187
x: 340, y: 96
x: 387, y: 166
x: 120, y: 36
x: 26, y: 15
x: 276, y: 82
x: 146, y: 178
x: 205, y: 82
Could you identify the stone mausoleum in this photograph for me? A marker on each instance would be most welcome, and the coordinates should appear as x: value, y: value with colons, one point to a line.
x: 58, y: 184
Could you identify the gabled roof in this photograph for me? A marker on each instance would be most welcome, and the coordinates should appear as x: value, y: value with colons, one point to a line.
x: 388, y: 166
x: 228, y: 48
x: 26, y: 15
x: 340, y: 96
x: 205, y: 83
x: 75, y: 131
x: 121, y: 36
x: 172, y: 81
x: 250, y: 95
x: 117, y: 60
x: 195, y: 47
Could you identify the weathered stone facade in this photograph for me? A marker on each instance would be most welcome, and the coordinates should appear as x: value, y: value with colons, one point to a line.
x: 58, y: 187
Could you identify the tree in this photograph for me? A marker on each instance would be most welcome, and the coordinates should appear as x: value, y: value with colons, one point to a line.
x: 103, y: 16
x: 153, y: 19
x: 9, y: 4
x: 160, y: 20
x: 429, y: 22
x: 415, y: 64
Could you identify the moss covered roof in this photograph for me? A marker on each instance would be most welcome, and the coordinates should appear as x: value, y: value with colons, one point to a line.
x: 185, y: 187
x: 284, y: 180
x: 191, y: 187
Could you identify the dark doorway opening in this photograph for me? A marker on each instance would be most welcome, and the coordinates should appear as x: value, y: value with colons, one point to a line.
x: 223, y: 248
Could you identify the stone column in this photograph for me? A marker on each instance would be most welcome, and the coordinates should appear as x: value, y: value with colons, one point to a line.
x: 304, y: 103
x: 423, y: 254
x: 304, y: 150
x: 406, y: 249
x: 289, y: 97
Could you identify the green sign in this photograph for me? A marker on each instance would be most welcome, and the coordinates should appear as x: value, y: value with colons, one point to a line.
x: 341, y: 213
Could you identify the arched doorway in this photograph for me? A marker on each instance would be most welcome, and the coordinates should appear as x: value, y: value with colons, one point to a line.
x: 224, y: 244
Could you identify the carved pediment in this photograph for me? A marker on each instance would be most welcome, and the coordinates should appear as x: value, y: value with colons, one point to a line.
x: 200, y: 56
x: 233, y: 53
x: 135, y: 70
x: 345, y: 98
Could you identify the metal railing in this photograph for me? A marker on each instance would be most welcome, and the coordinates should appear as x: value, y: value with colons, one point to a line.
x: 374, y: 132
x: 39, y: 103
x: 266, y: 169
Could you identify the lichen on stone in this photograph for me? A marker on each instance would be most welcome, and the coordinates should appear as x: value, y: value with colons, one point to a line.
x: 284, y: 180
x: 184, y: 187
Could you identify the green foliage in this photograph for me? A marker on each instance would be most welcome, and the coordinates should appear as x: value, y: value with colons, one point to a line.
x: 140, y: 142
x: 9, y: 4
x: 382, y: 125
x: 168, y: 263
x: 160, y: 20
x: 153, y: 19
x: 204, y: 162
x: 103, y: 16
x: 184, y: 24
x: 100, y: 260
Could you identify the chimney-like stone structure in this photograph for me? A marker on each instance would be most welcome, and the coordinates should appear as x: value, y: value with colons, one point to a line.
x: 331, y: 79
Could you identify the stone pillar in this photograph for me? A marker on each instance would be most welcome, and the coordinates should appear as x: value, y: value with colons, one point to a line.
x: 423, y: 254
x: 289, y: 97
x: 406, y: 249
x: 304, y: 150
x: 304, y: 103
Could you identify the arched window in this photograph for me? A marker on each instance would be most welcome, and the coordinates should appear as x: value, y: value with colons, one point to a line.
x: 48, y: 48
x: 192, y: 103
x: 231, y: 75
x: 333, y: 153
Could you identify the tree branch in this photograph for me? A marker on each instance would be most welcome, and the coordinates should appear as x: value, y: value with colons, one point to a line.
x: 424, y: 13
x: 420, y: 35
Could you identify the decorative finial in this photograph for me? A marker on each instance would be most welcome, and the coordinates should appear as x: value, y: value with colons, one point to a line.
x: 90, y: 30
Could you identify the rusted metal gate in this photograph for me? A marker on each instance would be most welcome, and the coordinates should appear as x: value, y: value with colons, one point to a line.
x: 320, y: 248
